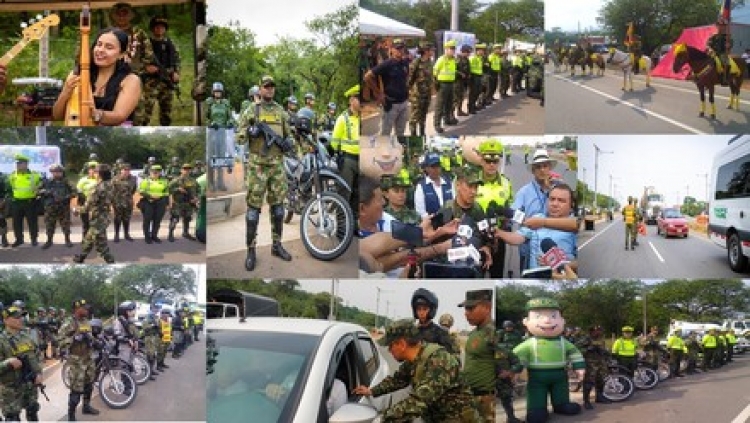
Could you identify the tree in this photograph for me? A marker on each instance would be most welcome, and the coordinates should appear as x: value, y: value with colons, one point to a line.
x: 156, y: 281
x: 604, y: 303
x: 700, y: 300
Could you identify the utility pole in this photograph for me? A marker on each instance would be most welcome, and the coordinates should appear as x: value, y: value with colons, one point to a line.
x: 598, y: 151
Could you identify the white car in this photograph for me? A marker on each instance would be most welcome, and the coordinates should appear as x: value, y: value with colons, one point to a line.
x: 273, y: 370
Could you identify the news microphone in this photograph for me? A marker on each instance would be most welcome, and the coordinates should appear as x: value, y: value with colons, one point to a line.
x: 554, y: 256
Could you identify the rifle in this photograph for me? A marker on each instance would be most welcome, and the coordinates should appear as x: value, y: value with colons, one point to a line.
x: 28, y: 375
x: 165, y: 77
x: 270, y: 138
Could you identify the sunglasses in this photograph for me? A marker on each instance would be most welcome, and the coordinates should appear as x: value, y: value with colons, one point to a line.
x: 269, y: 86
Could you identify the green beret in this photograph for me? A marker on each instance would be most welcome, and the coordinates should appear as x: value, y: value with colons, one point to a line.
x: 542, y: 302
x: 404, y: 328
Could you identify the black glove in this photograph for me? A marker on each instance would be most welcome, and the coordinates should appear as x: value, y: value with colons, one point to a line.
x: 285, y: 144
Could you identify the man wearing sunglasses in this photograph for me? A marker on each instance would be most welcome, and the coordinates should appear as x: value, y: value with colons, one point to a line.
x: 17, y: 347
x: 394, y: 96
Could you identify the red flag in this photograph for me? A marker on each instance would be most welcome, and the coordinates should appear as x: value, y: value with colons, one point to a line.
x: 726, y: 10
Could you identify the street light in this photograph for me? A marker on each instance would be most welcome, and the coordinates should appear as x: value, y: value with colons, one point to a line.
x: 705, y: 176
x: 598, y: 151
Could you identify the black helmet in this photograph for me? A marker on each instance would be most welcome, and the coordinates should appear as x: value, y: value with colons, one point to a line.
x: 305, y: 121
x: 508, y: 324
x: 423, y: 296
x: 96, y: 326
x: 125, y: 307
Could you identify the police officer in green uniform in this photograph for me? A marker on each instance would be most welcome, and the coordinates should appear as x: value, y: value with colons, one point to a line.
x: 438, y: 392
x: 420, y: 89
x: 463, y: 79
x: 476, y: 70
x: 676, y: 347
x: 480, y: 370
x: 345, y: 143
x: 265, y: 162
x: 24, y: 185
x: 20, y: 369
x: 495, y: 188
x: 154, y: 199
x: 624, y: 349
x: 710, y: 343
x: 495, y: 59
x: 56, y: 194
x: 444, y: 72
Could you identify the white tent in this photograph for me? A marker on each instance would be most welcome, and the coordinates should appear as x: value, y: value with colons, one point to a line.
x: 370, y: 23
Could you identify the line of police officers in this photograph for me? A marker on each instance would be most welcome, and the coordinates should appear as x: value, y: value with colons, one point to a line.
x: 24, y: 344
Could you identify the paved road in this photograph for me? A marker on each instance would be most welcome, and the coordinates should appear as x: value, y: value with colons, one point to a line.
x: 717, y: 396
x: 137, y: 251
x: 515, y: 115
x: 597, y: 105
x: 179, y: 394
x: 604, y: 255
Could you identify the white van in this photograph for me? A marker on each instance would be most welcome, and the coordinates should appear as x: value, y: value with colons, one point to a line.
x: 729, y: 202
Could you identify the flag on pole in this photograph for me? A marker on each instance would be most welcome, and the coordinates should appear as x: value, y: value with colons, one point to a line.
x: 726, y: 10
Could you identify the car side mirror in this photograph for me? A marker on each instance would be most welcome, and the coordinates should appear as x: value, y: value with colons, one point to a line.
x: 354, y: 413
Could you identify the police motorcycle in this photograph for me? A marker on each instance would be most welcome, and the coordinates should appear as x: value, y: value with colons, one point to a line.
x: 117, y: 387
x: 300, y: 171
x: 326, y: 219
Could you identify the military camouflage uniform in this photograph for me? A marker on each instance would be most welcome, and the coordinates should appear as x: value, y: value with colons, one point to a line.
x: 17, y: 394
x: 479, y: 369
x: 650, y: 345
x: 505, y: 68
x: 595, y: 353
x: 82, y: 367
x: 183, y: 204
x: 463, y: 79
x: 159, y: 87
x: 506, y: 360
x: 693, y: 348
x: 5, y: 196
x: 98, y: 206
x: 438, y: 395
x: 405, y: 215
x: 420, y: 91
x: 485, y: 96
x: 56, y: 199
x: 151, y: 339
x: 173, y: 171
x: 218, y: 113
x: 123, y: 189
x: 140, y: 53
x: 511, y: 339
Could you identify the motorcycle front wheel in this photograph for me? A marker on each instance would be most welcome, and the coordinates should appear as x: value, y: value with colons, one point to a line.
x: 117, y: 388
x: 327, y: 226
x: 618, y: 387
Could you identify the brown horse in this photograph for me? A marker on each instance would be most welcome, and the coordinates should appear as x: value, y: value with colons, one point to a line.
x: 705, y: 75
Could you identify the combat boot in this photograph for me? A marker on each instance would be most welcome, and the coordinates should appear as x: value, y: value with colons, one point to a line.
x: 170, y: 237
x: 117, y: 230
x: 186, y: 229
x: 17, y: 242
x: 68, y: 243
x: 34, y: 242
x: 48, y: 243
x: 73, y: 400
x: 126, y: 230
x: 5, y: 240
x: 251, y: 229
x: 587, y: 397
x: 277, y: 225
x: 507, y: 404
x: 79, y: 258
x: 147, y: 236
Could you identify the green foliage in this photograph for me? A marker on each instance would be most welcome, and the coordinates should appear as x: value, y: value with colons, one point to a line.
x: 693, y: 208
x: 156, y: 281
x: 510, y: 301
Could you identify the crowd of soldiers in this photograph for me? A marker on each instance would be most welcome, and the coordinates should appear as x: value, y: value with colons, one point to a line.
x: 472, y: 76
x: 26, y: 342
x: 101, y: 191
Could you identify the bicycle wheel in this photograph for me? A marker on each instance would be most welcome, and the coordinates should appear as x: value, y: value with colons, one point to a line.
x: 618, y: 387
x: 645, y: 378
x: 327, y: 226
x: 664, y: 371
x: 113, y: 388
x: 141, y: 370
x: 65, y: 373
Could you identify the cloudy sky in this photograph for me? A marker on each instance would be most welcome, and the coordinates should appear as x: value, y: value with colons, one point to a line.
x: 269, y: 20
x: 569, y: 15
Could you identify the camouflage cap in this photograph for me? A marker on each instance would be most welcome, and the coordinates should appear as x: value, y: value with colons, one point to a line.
x: 404, y: 328
x: 469, y: 174
x: 21, y: 158
x: 55, y: 168
x: 475, y: 297
x: 187, y: 166
x: 401, y: 179
x: 542, y: 302
x: 267, y: 80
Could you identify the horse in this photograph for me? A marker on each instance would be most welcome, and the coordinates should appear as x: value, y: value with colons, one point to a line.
x: 598, y: 61
x: 621, y: 59
x: 704, y: 72
x: 578, y: 56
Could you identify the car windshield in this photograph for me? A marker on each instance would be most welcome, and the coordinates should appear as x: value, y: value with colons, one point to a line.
x: 256, y: 376
x: 672, y: 214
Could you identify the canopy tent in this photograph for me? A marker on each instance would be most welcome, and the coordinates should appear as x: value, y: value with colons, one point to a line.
x: 695, y: 37
x: 373, y: 24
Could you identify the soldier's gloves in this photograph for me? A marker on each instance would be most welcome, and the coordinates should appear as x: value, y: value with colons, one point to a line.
x: 285, y: 144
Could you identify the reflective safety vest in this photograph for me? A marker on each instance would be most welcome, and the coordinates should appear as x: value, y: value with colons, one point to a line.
x: 709, y: 341
x: 500, y: 191
x: 731, y: 339
x: 518, y: 61
x: 345, y: 135
x: 166, y: 331
x: 197, y: 319
x: 24, y: 185
x: 445, y: 69
x: 156, y: 188
x: 629, y: 213
x: 675, y: 343
x: 495, y: 62
x: 475, y: 64
x: 624, y: 347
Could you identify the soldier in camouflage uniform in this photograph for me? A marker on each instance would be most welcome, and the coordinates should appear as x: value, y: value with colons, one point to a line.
x: 17, y: 347
x: 75, y: 334
x: 479, y: 369
x: 147, y: 168
x: 251, y: 93
x: 424, y: 305
x: 161, y: 76
x: 84, y: 188
x: 420, y: 89
x: 505, y: 69
x: 124, y: 186
x: 54, y: 323
x: 266, y: 176
x: 693, y: 348
x: 140, y: 53
x: 56, y: 194
x: 650, y: 345
x: 198, y: 169
x: 218, y: 109
x: 396, y: 188
x: 438, y: 393
x: 165, y: 338
x: 507, y: 366
x: 5, y: 195
x: 595, y: 353
x: 152, y: 339
x: 463, y: 79
x: 328, y: 120
x: 174, y: 169
x: 184, y: 190
x: 485, y: 96
x: 509, y: 335
x: 98, y: 205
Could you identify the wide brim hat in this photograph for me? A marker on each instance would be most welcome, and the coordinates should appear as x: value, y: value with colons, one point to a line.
x: 542, y: 156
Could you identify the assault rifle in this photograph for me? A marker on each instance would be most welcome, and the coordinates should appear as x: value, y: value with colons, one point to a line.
x: 270, y: 138
x: 28, y: 375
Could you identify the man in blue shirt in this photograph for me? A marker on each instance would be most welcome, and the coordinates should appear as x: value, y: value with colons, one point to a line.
x: 394, y: 96
x: 532, y: 200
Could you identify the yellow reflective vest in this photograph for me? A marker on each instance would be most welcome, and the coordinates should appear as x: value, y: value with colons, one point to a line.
x: 475, y: 65
x: 24, y: 185
x: 445, y: 69
x: 675, y: 343
x: 624, y: 347
x: 499, y: 190
x: 166, y: 331
x: 709, y: 341
x: 155, y: 188
x: 495, y: 62
x: 629, y: 213
x: 345, y: 135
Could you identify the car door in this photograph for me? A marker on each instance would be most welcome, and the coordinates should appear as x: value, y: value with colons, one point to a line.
x: 373, y: 368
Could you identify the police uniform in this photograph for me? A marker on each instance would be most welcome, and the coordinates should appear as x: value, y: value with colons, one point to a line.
x: 265, y: 176
x: 445, y: 73
x: 495, y: 60
x: 420, y: 91
x: 624, y: 350
x: 154, y: 199
x: 98, y: 206
x: 184, y: 190
x: 345, y: 141
x: 160, y: 87
x: 165, y: 337
x: 629, y: 213
x: 476, y: 70
x: 56, y: 195
x: 23, y: 185
x: 84, y: 188
x: 5, y: 201
x: 676, y: 347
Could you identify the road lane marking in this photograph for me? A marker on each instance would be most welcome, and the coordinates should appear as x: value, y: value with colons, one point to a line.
x: 676, y: 88
x: 744, y: 416
x: 656, y: 252
x: 594, y: 237
x: 634, y: 106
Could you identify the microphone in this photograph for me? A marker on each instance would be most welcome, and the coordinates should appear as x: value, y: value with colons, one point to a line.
x: 554, y: 256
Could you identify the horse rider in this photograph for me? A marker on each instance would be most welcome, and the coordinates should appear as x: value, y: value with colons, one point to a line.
x: 718, y: 47
x: 634, y: 48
